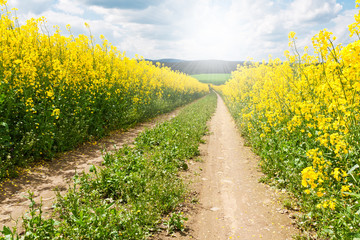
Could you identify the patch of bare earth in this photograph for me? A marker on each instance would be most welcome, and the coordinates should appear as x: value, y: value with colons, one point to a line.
x: 57, y: 174
x: 232, y: 204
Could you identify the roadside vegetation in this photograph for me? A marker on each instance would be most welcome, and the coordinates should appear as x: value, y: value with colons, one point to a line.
x: 213, y: 78
x: 57, y: 92
x: 302, y: 117
x: 133, y: 192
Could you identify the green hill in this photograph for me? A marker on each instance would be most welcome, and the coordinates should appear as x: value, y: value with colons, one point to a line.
x: 200, y: 66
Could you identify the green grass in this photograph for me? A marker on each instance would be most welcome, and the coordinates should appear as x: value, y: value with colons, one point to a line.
x: 214, y: 78
x: 131, y: 194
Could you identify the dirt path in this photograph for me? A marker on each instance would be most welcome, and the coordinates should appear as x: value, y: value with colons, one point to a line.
x: 233, y: 204
x: 42, y: 180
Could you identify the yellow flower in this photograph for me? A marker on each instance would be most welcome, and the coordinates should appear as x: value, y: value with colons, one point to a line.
x: 291, y: 35
x: 338, y: 174
x: 345, y: 188
x: 308, y: 177
x: 320, y: 193
x: 50, y: 93
x: 56, y: 113
x: 332, y: 204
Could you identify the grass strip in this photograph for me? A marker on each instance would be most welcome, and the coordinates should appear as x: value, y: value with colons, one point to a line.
x: 127, y: 197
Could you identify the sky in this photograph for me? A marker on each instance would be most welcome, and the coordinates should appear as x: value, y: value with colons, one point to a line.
x: 197, y: 29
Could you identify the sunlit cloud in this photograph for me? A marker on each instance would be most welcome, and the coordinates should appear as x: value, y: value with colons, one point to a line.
x: 202, y: 29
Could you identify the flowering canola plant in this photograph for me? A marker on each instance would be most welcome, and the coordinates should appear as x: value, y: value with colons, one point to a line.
x: 57, y: 91
x: 302, y: 115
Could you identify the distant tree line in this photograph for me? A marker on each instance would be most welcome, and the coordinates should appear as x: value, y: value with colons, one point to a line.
x: 200, y: 66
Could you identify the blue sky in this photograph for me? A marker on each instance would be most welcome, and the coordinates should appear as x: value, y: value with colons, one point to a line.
x: 201, y: 29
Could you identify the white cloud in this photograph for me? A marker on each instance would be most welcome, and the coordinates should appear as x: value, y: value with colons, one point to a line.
x: 201, y: 29
x: 304, y: 11
x: 71, y: 7
x: 341, y: 23
x: 34, y: 6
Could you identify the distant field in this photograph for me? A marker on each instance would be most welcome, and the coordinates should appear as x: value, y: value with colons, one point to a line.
x: 214, y: 78
x: 200, y: 66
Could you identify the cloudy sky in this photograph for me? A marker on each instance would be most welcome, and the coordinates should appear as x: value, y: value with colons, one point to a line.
x: 197, y: 29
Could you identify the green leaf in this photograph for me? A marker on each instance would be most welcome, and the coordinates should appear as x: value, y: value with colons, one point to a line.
x: 352, y: 194
x: 2, y: 98
x: 6, y: 231
x: 92, y: 168
x: 8, y: 234
x: 353, y: 168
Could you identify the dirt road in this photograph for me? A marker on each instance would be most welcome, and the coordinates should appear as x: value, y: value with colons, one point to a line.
x: 233, y: 204
x: 43, y: 179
